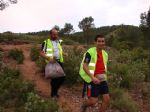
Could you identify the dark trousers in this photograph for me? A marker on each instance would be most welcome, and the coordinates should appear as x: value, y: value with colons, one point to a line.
x: 56, y: 83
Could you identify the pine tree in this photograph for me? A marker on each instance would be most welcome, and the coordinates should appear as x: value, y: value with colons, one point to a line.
x: 148, y: 19
x: 145, y: 27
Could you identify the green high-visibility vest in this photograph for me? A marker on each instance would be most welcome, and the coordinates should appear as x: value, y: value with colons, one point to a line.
x: 49, y: 50
x: 92, y: 65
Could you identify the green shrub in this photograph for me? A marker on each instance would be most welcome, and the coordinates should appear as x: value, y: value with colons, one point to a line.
x: 13, y: 88
x: 26, y: 87
x: 127, y: 75
x: 7, y: 36
x: 9, y: 84
x: 10, y: 73
x: 68, y: 41
x: 126, y: 82
x: 145, y: 91
x: 119, y: 76
x: 1, y: 109
x: 36, y: 104
x: 120, y: 68
x: 137, y: 54
x: 19, y: 109
x: 41, y: 64
x: 34, y: 54
x: 19, y: 96
x: 147, y: 73
x: 129, y: 68
x: 72, y: 64
x: 122, y: 101
x: 124, y: 56
x: 17, y: 54
x: 1, y: 61
x: 1, y: 53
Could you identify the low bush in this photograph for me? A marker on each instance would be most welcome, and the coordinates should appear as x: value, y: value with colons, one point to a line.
x: 17, y: 54
x: 20, y: 96
x: 130, y: 67
x: 145, y: 91
x: 122, y: 101
x: 34, y: 54
x: 1, y: 109
x: 36, y: 104
x: 13, y: 88
x: 41, y: 64
x: 68, y: 41
x: 72, y: 64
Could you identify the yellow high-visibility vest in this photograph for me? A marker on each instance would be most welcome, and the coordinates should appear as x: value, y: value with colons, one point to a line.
x: 49, y: 50
x: 92, y: 65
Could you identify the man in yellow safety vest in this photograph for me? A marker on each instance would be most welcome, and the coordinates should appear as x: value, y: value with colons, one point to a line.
x: 52, y: 51
x: 93, y: 70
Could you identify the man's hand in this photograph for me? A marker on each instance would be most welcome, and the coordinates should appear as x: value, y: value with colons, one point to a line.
x: 95, y: 80
x: 51, y: 60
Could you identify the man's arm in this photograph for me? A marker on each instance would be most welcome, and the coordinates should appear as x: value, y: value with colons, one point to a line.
x: 43, y: 54
x: 86, y: 68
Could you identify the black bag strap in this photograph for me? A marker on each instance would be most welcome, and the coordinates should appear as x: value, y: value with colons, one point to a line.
x: 45, y: 46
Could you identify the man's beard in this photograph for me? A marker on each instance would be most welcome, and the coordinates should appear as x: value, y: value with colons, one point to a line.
x: 53, y: 38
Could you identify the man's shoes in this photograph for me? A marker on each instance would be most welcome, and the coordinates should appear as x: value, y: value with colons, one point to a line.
x: 83, y: 108
x: 55, y: 95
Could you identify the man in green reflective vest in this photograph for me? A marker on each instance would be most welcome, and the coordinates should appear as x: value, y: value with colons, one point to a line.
x: 52, y: 51
x: 93, y: 70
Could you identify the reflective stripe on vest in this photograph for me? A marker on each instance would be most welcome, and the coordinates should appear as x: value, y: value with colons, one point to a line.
x: 92, y: 65
x: 49, y: 50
